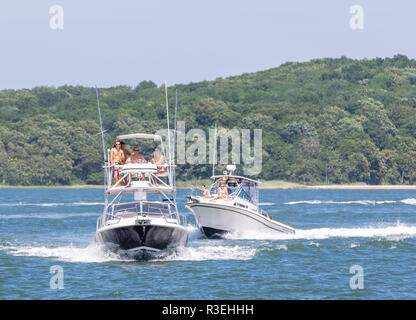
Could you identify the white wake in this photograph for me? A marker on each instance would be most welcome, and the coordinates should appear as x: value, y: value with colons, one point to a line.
x: 204, y: 249
x: 410, y: 201
x: 398, y: 230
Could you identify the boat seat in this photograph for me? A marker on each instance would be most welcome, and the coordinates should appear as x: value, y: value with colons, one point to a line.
x: 139, y: 168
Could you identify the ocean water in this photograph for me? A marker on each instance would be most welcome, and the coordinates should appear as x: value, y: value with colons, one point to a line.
x: 349, y: 244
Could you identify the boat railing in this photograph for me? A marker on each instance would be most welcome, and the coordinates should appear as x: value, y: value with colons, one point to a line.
x: 141, y: 209
x: 102, y: 220
x: 149, y: 172
x: 262, y: 212
x: 184, y: 220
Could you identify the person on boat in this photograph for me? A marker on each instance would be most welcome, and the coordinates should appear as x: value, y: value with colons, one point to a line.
x: 136, y: 157
x: 222, y: 192
x: 117, y: 157
x: 205, y: 192
x: 127, y: 153
x: 159, y: 160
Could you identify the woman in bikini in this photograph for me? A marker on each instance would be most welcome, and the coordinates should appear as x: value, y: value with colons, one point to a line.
x: 222, y: 192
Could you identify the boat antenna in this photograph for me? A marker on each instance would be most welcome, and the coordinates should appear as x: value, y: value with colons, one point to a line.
x: 174, y: 136
x: 215, y: 150
x: 102, y: 137
x: 167, y: 118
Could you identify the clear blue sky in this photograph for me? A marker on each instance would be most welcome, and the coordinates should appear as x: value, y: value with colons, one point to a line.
x: 110, y: 42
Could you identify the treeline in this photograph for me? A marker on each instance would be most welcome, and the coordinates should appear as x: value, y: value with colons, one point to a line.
x: 323, y: 121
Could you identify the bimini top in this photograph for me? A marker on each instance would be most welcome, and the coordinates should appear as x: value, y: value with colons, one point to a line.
x: 139, y: 136
x: 226, y: 177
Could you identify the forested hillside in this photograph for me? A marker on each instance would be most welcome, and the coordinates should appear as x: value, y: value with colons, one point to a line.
x: 323, y: 121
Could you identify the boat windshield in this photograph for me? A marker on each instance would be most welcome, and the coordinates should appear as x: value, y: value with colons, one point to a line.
x: 232, y: 188
x: 249, y: 192
x: 144, y: 208
x: 244, y: 189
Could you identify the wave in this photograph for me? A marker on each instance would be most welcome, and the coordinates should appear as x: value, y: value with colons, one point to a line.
x: 410, y: 201
x: 94, y: 253
x: 48, y: 215
x: 214, y: 249
x: 210, y: 252
x: 52, y: 204
x: 395, y: 232
x: 193, y: 232
x: 90, y: 254
x: 305, y: 202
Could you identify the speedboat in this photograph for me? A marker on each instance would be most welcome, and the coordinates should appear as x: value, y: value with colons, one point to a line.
x: 140, y: 217
x: 238, y: 212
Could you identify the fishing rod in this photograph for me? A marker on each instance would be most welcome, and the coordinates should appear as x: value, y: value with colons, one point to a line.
x: 167, y: 118
x: 174, y: 135
x: 214, y: 160
x: 102, y: 137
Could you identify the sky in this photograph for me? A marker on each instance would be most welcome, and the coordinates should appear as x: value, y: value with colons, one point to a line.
x: 123, y: 42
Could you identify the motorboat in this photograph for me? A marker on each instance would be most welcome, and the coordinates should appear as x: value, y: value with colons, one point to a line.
x: 140, y: 217
x: 236, y: 212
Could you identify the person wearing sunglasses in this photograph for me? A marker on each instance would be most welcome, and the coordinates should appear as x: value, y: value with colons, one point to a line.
x: 136, y: 157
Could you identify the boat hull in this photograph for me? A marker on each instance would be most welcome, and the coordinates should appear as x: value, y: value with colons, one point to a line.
x: 141, y: 242
x: 215, y: 220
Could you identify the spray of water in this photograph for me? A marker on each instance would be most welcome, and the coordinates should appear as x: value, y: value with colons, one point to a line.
x: 410, y: 201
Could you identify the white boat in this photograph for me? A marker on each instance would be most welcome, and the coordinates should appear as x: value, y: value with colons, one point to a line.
x: 237, y: 213
x: 140, y: 217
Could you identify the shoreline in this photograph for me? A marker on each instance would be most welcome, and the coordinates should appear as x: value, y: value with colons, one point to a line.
x: 264, y: 186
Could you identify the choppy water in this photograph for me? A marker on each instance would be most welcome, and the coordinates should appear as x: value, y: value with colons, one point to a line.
x: 336, y: 229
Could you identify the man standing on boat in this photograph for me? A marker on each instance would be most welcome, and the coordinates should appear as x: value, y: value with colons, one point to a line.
x: 117, y: 158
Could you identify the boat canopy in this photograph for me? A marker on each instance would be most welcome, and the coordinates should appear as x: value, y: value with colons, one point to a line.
x: 139, y: 136
x: 236, y: 178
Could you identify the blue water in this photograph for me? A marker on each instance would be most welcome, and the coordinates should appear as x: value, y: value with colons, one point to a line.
x: 336, y: 229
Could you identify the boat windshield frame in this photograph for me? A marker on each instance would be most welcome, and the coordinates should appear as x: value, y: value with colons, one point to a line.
x: 148, y: 136
x: 240, y: 187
